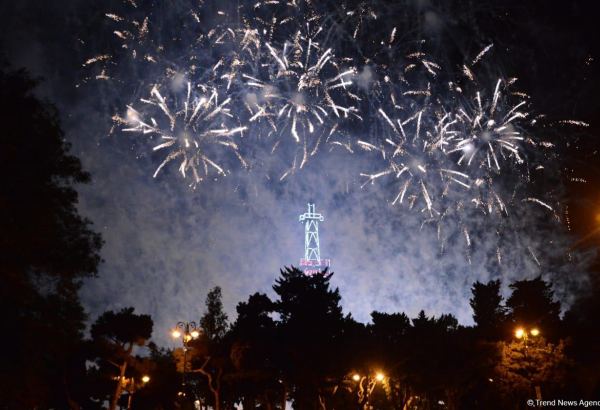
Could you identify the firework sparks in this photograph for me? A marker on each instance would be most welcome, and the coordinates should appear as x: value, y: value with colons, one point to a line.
x: 301, y: 91
x: 191, y: 129
x: 490, y: 133
x: 273, y: 69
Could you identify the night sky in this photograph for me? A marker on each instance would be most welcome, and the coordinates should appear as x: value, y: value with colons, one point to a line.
x: 167, y: 245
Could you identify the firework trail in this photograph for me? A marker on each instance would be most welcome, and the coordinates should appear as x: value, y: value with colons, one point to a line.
x: 131, y: 39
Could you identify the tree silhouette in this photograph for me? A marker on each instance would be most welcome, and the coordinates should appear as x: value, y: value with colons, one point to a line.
x: 525, y: 366
x: 311, y: 329
x: 532, y: 304
x: 488, y: 313
x: 254, y: 353
x: 46, y: 247
x: 581, y: 327
x: 210, y: 356
x: 116, y: 334
x: 160, y: 393
x: 214, y: 321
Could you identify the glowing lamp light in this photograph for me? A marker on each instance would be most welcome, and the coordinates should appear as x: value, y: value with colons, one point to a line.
x: 145, y: 379
x: 535, y: 332
x: 519, y: 333
x: 176, y: 334
x: 195, y: 334
x: 356, y: 377
x: 379, y: 377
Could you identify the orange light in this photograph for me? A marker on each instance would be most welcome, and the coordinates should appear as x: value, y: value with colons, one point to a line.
x: 145, y: 379
x: 176, y: 334
x: 195, y: 334
x: 356, y: 377
x: 535, y: 332
x: 379, y: 377
x: 519, y: 333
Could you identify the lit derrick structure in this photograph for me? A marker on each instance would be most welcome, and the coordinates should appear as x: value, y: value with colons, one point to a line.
x: 311, y: 262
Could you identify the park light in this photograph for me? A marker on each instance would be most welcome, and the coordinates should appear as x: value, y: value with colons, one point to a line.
x: 535, y: 332
x: 176, y: 334
x: 145, y: 378
x: 195, y: 334
x: 519, y: 333
x: 379, y: 376
x: 356, y: 377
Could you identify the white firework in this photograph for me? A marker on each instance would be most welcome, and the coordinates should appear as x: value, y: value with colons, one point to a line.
x: 415, y: 160
x: 192, y: 126
x: 304, y: 90
x: 492, y: 131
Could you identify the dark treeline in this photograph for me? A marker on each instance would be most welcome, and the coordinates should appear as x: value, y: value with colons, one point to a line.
x: 300, y: 347
x: 296, y: 347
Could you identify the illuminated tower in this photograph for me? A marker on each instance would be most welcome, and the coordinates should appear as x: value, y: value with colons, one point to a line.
x: 312, y: 262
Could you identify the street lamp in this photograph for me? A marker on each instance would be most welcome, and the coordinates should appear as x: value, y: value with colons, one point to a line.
x: 523, y: 333
x: 187, y: 331
x: 366, y: 385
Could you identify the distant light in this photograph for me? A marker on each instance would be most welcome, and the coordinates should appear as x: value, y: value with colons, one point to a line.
x: 519, y: 333
x: 379, y: 377
x: 145, y: 378
x: 535, y: 332
x: 176, y: 334
x: 195, y: 334
x: 356, y: 377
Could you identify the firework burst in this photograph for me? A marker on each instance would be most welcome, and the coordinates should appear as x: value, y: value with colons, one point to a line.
x: 192, y: 125
x: 303, y: 91
x: 491, y: 131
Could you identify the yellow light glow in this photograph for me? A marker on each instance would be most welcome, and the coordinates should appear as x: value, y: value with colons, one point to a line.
x: 519, y: 333
x: 187, y: 337
x: 195, y: 334
x: 176, y: 334
x: 356, y: 377
x: 379, y: 377
x: 145, y: 379
x: 535, y: 332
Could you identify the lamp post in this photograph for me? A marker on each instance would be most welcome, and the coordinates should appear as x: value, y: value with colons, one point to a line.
x: 187, y: 331
x: 366, y: 385
x: 524, y: 334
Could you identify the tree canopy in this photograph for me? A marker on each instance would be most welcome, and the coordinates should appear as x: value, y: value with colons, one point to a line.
x: 46, y: 247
